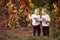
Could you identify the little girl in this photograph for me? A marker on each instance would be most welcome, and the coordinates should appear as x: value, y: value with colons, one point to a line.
x: 45, y: 22
x: 35, y: 22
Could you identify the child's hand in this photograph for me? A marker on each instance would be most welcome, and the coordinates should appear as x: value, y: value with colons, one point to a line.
x: 47, y: 22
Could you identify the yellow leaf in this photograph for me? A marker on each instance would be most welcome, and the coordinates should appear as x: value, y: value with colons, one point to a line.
x: 27, y: 19
x: 31, y: 5
x: 29, y: 0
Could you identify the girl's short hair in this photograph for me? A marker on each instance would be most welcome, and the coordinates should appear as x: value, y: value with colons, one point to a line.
x: 36, y: 10
x: 44, y: 9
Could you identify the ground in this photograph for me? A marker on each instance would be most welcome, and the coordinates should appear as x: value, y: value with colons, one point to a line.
x: 19, y: 34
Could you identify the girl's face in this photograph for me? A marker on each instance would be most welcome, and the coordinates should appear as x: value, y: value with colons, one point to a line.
x: 43, y: 12
x: 36, y: 12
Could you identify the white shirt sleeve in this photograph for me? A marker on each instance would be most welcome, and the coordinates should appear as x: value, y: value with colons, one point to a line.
x: 48, y: 18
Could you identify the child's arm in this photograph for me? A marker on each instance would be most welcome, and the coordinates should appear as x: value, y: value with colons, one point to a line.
x: 48, y: 19
x: 29, y: 16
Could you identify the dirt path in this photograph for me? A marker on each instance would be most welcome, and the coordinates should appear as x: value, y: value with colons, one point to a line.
x: 6, y: 33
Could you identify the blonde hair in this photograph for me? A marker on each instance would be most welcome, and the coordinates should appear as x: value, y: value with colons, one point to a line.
x: 44, y: 9
x: 36, y: 10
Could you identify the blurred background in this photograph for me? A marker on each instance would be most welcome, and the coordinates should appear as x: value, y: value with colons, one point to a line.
x: 14, y: 21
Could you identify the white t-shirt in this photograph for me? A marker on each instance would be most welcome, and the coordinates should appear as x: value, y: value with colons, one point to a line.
x: 44, y: 19
x: 34, y: 22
